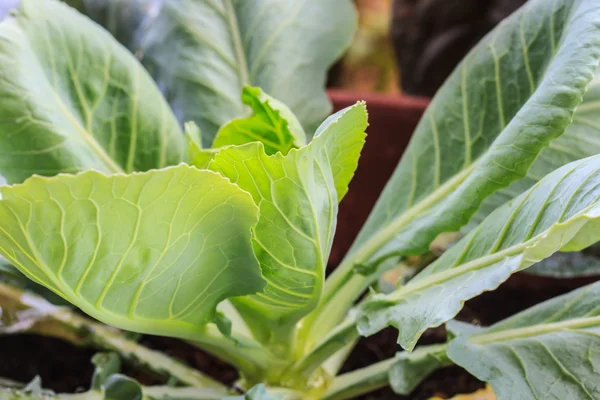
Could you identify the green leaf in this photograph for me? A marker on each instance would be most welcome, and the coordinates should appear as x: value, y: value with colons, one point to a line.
x: 298, y: 197
x: 220, y: 46
x: 196, y: 154
x: 121, y: 387
x: 569, y: 265
x: 561, y: 212
x: 409, y: 369
x: 151, y: 252
x: 582, y: 139
x: 549, y: 351
x: 510, y: 97
x: 106, y: 365
x: 74, y: 99
x: 124, y: 19
x: 272, y: 123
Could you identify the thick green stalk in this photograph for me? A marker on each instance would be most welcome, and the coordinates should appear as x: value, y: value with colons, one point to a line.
x: 361, y: 381
x: 335, y: 341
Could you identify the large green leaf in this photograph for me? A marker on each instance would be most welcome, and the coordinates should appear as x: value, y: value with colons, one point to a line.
x: 298, y: 197
x: 582, y: 139
x: 561, y: 212
x: 75, y: 99
x: 124, y: 19
x: 550, y: 351
x: 220, y: 46
x: 510, y: 97
x: 271, y: 123
x: 151, y: 252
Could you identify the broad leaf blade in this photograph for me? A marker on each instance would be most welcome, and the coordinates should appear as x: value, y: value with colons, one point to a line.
x: 298, y: 197
x: 547, y: 352
x: 560, y: 213
x: 582, y: 139
x: 75, y: 99
x: 284, y: 47
x: 271, y: 123
x: 511, y: 96
x: 151, y: 252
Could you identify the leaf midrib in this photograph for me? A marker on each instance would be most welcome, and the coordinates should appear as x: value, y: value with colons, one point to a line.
x: 236, y: 39
x: 521, y: 333
x: 395, y: 226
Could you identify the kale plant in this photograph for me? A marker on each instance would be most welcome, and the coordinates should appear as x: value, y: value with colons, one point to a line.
x: 219, y: 233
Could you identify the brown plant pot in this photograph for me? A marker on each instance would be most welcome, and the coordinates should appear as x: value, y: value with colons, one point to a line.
x: 392, y: 120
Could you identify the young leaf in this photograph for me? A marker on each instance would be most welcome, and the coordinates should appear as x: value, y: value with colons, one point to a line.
x: 196, y: 154
x: 561, y: 212
x: 298, y: 197
x: 511, y: 96
x: 75, y: 99
x: 284, y: 47
x: 549, y: 351
x: 150, y: 252
x: 582, y: 139
x: 272, y: 123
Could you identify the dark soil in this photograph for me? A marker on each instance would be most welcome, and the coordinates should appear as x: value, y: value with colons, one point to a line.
x: 66, y: 368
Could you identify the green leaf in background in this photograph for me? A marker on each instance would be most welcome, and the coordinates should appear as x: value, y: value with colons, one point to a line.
x: 106, y: 365
x: 561, y: 212
x: 75, y: 99
x: 579, y: 264
x: 410, y: 369
x: 582, y: 139
x: 298, y: 197
x: 151, y: 252
x: 220, y: 46
x: 548, y: 352
x: 510, y: 97
x: 124, y: 19
x: 271, y: 123
x: 121, y: 387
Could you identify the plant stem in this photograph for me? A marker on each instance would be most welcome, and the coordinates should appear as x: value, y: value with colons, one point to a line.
x: 336, y: 340
x: 249, y: 357
x: 37, y: 315
x: 361, y: 381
